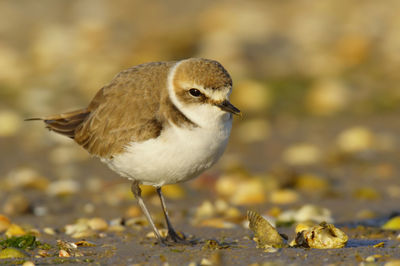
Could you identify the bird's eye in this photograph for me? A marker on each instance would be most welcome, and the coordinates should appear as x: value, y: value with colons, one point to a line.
x: 195, y: 92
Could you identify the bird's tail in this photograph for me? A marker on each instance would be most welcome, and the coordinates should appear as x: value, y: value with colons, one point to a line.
x: 66, y: 123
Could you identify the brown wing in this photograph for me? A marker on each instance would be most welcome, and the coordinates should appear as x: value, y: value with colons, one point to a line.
x: 125, y: 110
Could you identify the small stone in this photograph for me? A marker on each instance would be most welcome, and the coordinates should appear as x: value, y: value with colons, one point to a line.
x: 173, y: 191
x: 84, y: 234
x: 355, y: 139
x: 26, y: 177
x: 15, y: 230
x: 133, y: 211
x: 84, y: 243
x: 254, y: 130
x: 379, y: 245
x: 63, y: 253
x: 227, y: 185
x: 16, y: 204
x: 251, y: 192
x: 392, y: 224
x: 49, y: 231
x: 312, y: 183
x: 11, y: 253
x: 163, y: 233
x: 63, y: 187
x: 284, y: 196
x: 28, y: 263
x: 216, y: 223
x: 302, y: 154
x: 366, y: 214
x: 367, y: 193
x: 79, y: 226
x: 393, y: 263
x: 5, y: 223
x: 44, y: 253
x: 97, y: 224
x: 306, y: 213
x: 205, y: 210
x: 252, y: 96
x: 10, y: 123
x: 327, y: 97
x: 116, y: 228
x: 373, y: 258
x: 137, y: 221
x: 206, y: 262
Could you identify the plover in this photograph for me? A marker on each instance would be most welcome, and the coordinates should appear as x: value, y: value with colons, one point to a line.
x: 156, y: 124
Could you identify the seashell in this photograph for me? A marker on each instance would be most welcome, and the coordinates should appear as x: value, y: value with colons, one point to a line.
x: 264, y: 233
x: 322, y: 236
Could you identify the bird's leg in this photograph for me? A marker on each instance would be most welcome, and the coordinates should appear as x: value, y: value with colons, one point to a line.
x: 172, y: 234
x: 138, y: 195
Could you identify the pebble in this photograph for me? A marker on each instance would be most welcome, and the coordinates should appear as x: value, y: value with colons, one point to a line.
x: 395, y: 262
x: 174, y: 191
x: 366, y: 214
x: 284, y: 196
x: 5, y: 223
x: 98, y: 224
x: 26, y: 177
x: 49, y: 231
x: 307, y: 212
x: 367, y: 193
x: 327, y: 97
x: 205, y: 210
x: 63, y: 253
x: 11, y: 253
x: 312, y: 183
x: 163, y: 233
x: 16, y: 204
x: 63, y: 187
x: 133, y: 211
x: 216, y: 223
x: 254, y: 130
x: 355, y: 139
x: 28, y: 263
x: 373, y: 258
x: 252, y: 96
x: 249, y: 192
x: 302, y: 154
x: 15, y: 230
x: 137, y: 221
x: 10, y: 123
x: 392, y: 224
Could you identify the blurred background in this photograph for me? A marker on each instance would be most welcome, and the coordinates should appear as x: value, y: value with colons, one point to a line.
x: 317, y: 81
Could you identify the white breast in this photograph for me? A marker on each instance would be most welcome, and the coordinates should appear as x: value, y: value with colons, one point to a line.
x: 177, y: 155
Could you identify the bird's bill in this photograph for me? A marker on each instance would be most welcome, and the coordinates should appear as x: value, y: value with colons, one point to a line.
x: 228, y: 107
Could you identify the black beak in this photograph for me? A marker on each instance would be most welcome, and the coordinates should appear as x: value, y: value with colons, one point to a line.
x: 227, y: 106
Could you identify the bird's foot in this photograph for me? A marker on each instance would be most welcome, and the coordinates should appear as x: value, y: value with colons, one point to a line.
x: 176, y: 239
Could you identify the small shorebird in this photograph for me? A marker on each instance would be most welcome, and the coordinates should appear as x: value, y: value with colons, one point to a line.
x: 156, y: 124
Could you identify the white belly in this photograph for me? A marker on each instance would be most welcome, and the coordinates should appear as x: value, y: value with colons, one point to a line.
x: 177, y: 155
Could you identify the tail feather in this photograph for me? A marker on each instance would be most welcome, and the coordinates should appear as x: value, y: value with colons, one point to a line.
x: 66, y: 123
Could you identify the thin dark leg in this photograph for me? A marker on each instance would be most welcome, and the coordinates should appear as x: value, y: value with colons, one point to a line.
x: 138, y: 195
x: 172, y: 235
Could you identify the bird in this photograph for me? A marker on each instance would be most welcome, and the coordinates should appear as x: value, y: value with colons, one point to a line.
x: 156, y: 123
